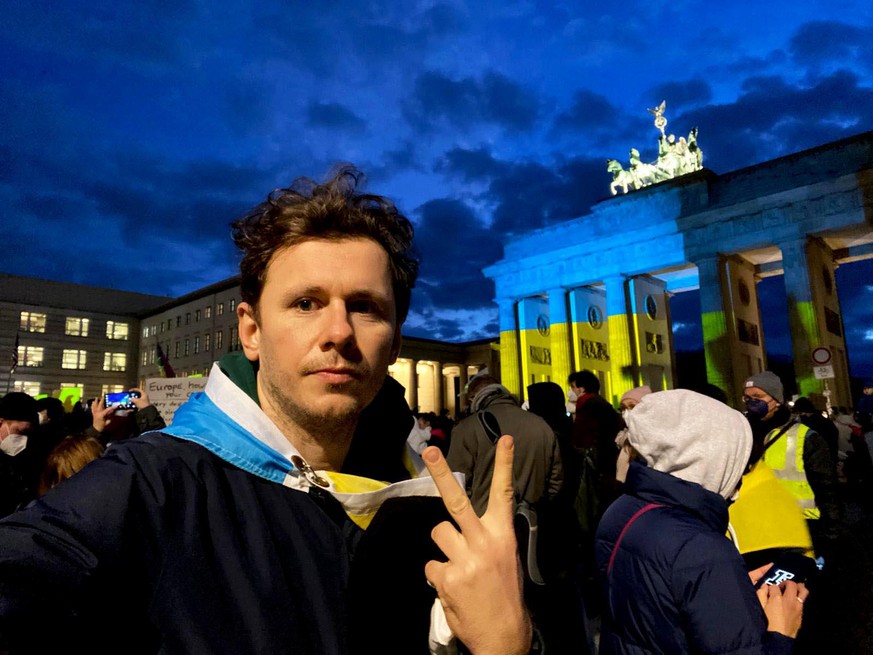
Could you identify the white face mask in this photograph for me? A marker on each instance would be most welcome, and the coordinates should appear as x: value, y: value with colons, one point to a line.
x: 571, y: 396
x: 13, y: 444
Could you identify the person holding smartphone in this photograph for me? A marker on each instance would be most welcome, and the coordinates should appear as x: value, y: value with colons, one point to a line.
x: 118, y: 421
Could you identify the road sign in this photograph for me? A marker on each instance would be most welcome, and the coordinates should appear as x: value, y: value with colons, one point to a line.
x: 821, y: 356
x: 825, y: 372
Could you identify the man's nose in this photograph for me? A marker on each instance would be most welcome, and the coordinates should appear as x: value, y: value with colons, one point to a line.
x: 339, y: 333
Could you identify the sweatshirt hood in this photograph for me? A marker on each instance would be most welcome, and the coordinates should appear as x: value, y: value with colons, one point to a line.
x: 692, y: 437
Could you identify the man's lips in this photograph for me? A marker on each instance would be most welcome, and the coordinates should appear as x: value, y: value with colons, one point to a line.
x: 338, y: 375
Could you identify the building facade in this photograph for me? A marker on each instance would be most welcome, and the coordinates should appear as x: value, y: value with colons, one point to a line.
x: 593, y: 292
x: 69, y: 340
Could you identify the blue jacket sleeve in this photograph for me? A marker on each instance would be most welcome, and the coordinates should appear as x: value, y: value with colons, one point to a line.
x: 714, y: 592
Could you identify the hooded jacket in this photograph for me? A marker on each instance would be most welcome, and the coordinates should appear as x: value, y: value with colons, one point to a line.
x: 672, y: 582
x: 537, y: 471
x: 214, y: 537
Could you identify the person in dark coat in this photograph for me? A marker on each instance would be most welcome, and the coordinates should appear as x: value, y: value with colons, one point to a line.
x: 671, y: 582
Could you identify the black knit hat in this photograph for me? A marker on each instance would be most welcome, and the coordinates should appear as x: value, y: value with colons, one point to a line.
x: 18, y: 406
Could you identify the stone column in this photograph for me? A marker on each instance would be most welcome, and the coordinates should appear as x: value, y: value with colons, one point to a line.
x: 621, y: 355
x: 716, y: 340
x: 413, y: 385
x: 806, y: 332
x: 559, y: 336
x: 510, y: 363
x: 439, y: 385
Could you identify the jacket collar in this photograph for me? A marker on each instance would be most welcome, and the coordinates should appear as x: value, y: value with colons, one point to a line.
x: 662, y: 488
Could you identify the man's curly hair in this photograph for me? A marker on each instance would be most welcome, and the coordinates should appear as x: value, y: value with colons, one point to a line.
x: 333, y: 210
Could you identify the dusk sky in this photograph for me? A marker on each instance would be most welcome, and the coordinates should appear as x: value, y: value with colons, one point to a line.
x: 133, y: 133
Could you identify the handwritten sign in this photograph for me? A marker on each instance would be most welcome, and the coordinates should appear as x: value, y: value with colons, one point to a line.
x: 168, y: 394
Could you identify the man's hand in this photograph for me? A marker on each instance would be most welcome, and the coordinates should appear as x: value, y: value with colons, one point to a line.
x: 143, y: 401
x: 101, y: 414
x: 480, y: 587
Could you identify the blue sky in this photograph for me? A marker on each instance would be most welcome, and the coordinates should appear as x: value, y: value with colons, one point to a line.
x: 132, y: 133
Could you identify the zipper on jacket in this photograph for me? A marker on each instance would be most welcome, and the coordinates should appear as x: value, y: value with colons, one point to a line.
x: 308, y: 472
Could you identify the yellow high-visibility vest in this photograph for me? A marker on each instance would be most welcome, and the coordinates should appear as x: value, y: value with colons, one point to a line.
x: 785, y: 458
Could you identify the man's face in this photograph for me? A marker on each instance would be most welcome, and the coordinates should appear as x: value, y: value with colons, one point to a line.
x: 579, y: 391
x: 14, y: 427
x: 325, y: 333
x: 868, y: 391
x: 760, y: 394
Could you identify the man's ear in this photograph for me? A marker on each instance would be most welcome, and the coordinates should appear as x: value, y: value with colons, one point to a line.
x: 249, y: 330
x: 395, y: 345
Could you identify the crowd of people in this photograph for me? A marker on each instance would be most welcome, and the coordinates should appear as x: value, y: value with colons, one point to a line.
x: 298, y: 506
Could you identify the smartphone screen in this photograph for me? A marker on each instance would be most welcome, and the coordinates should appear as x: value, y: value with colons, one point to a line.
x: 121, y: 399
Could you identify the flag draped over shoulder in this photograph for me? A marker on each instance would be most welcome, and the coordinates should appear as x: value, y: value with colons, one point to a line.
x: 165, y: 363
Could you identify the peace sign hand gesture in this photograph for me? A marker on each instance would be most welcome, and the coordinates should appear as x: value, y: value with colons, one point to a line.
x: 480, y: 587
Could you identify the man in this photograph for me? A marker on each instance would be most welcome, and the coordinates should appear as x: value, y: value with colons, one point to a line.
x: 233, y: 530
x: 799, y: 456
x: 19, y: 416
x: 537, y: 472
x: 596, y: 426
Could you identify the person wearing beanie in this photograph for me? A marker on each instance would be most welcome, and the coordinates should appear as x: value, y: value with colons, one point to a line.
x: 811, y: 475
x: 670, y: 581
x: 631, y: 398
x: 19, y: 416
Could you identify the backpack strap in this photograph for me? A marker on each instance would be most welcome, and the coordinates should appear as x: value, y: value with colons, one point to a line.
x: 638, y: 514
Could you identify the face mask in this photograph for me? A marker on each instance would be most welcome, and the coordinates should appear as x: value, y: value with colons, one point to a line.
x: 756, y: 408
x: 13, y: 444
x: 571, y: 396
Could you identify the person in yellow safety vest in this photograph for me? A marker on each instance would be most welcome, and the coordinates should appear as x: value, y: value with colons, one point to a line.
x: 798, y: 456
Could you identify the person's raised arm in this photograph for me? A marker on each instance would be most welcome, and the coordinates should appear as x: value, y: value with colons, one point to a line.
x: 480, y: 585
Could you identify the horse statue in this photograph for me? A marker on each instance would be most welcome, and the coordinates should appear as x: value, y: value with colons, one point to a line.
x: 644, y: 174
x: 620, y: 177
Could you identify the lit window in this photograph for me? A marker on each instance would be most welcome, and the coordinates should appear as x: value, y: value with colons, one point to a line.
x: 219, y: 309
x: 112, y: 388
x: 196, y: 345
x: 74, y: 359
x: 145, y: 357
x: 30, y: 355
x: 153, y: 330
x: 176, y: 351
x: 32, y: 322
x: 207, y: 313
x: 206, y: 342
x: 116, y: 330
x: 28, y: 387
x: 77, y: 327
x: 151, y: 352
x: 114, y: 361
x: 187, y: 347
x: 231, y: 305
x: 219, y: 339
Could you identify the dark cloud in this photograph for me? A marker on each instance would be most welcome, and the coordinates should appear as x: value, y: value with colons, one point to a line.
x: 773, y: 117
x: 491, y: 99
x: 470, y: 165
x: 679, y: 95
x: 588, y: 110
x: 333, y: 116
x: 821, y: 42
x: 454, y: 246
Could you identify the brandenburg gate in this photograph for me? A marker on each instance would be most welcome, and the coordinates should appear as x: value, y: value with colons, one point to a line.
x: 592, y: 292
